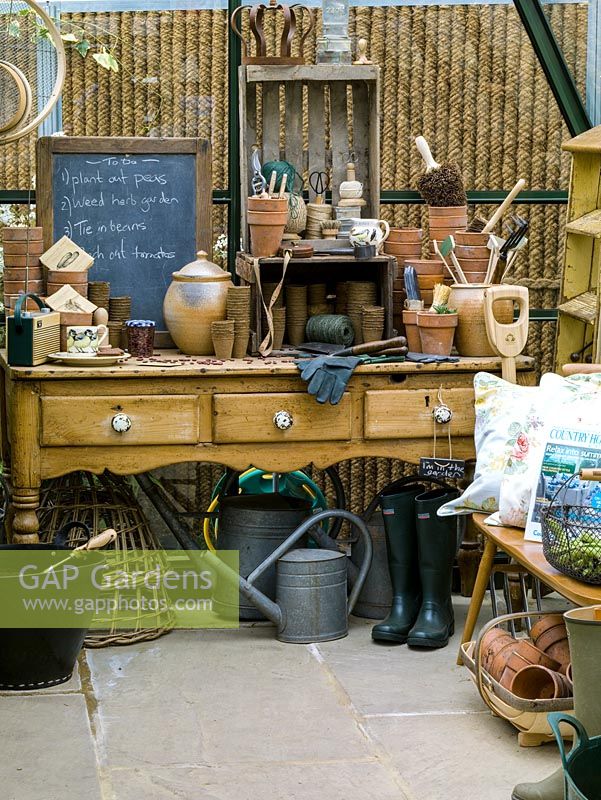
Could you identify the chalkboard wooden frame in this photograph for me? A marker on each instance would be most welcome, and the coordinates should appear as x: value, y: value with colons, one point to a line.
x: 49, y: 146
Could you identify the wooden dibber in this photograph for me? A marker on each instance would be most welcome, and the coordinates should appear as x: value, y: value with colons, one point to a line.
x: 507, y: 339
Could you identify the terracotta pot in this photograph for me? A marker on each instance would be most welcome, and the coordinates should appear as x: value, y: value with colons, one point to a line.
x: 548, y: 622
x: 10, y: 301
x: 271, y: 204
x: 447, y: 211
x: 474, y: 264
x: 474, y: 277
x: 471, y: 239
x: 21, y: 261
x: 267, y: 217
x: 21, y: 273
x: 539, y: 683
x: 516, y: 655
x: 80, y: 288
x: 429, y: 281
x: 72, y: 278
x: 196, y: 297
x: 425, y: 266
x: 569, y: 676
x: 471, y: 338
x: 22, y: 248
x: 467, y: 251
x: 414, y: 343
x: 266, y: 232
x: 11, y: 234
x: 492, y: 644
x: 401, y: 249
x: 560, y: 651
x: 14, y: 287
x: 436, y: 332
x: 427, y: 296
x: 406, y: 235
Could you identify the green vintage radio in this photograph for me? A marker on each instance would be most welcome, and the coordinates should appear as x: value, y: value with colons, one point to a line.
x: 32, y: 335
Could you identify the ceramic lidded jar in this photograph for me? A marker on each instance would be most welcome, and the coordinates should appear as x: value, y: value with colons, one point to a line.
x: 196, y: 298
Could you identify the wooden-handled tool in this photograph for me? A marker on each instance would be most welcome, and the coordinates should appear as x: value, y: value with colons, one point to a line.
x: 507, y: 339
x: 580, y: 369
x: 504, y: 206
x: 101, y: 540
x: 590, y: 474
x: 373, y: 347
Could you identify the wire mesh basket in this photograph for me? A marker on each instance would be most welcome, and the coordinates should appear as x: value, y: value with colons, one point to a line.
x: 571, y: 533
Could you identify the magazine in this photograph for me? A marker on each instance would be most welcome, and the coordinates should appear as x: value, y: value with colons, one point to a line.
x: 566, y: 451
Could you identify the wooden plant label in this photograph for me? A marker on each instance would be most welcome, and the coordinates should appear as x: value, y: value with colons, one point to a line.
x: 68, y: 300
x: 442, y: 468
x: 66, y: 256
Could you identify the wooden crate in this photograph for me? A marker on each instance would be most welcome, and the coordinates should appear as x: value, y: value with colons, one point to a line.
x: 341, y: 105
x: 319, y: 269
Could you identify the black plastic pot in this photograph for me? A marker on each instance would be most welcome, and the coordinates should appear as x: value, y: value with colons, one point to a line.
x: 35, y: 658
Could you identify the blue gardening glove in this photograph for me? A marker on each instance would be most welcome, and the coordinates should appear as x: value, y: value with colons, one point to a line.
x: 428, y: 358
x: 327, y: 376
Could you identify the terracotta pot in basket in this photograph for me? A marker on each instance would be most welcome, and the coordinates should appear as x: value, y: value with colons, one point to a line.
x: 550, y: 635
x: 515, y: 656
x: 493, y: 642
x: 536, y: 682
x: 436, y: 332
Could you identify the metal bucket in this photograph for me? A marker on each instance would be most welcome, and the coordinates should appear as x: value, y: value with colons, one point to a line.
x: 35, y: 658
x: 376, y: 596
x: 256, y: 525
x: 581, y: 764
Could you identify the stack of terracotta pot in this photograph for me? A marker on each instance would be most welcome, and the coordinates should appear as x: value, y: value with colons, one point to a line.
x: 473, y: 254
x: 22, y: 269
x: 445, y: 221
x: 530, y: 669
x: 267, y: 218
x: 430, y: 271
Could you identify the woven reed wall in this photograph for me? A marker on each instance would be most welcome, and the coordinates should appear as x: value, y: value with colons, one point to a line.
x: 464, y: 76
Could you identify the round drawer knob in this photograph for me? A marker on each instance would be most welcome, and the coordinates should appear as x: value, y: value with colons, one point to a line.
x: 283, y: 420
x: 121, y: 423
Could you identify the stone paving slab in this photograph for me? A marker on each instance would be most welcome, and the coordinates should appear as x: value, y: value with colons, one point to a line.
x: 47, y: 749
x: 341, y: 780
x: 475, y: 757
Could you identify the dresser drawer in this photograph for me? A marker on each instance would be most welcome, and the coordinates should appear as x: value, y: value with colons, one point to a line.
x: 80, y: 421
x: 407, y: 414
x: 250, y: 418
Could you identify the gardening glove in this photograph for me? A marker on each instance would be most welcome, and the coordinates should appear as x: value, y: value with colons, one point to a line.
x: 327, y: 376
x: 427, y: 358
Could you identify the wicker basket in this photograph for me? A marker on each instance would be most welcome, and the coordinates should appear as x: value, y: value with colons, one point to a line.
x: 572, y: 536
x: 528, y: 716
x: 108, y: 501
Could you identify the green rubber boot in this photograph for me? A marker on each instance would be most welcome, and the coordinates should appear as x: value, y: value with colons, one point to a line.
x: 584, y: 633
x: 437, y: 548
x: 398, y: 510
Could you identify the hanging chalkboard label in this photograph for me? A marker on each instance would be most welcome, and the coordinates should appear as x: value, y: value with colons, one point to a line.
x: 443, y: 468
x: 140, y: 207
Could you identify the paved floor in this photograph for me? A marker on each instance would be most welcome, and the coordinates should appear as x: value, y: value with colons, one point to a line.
x: 235, y: 715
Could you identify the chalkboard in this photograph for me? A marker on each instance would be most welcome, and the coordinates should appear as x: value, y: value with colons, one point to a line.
x: 140, y: 207
x: 443, y: 468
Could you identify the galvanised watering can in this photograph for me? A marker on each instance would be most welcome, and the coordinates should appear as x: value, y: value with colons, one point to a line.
x: 311, y: 602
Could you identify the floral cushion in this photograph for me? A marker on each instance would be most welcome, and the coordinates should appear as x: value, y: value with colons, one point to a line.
x: 520, y: 475
x: 510, y: 421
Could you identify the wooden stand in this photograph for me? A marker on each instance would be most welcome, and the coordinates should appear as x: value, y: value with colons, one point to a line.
x: 578, y: 330
x: 330, y: 120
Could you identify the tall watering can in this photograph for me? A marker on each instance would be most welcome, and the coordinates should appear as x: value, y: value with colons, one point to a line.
x: 311, y: 602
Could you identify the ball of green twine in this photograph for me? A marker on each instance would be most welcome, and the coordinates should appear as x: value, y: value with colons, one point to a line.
x: 280, y: 168
x: 330, y: 329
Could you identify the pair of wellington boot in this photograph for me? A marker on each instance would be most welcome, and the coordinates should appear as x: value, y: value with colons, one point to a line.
x: 421, y: 550
x: 584, y: 634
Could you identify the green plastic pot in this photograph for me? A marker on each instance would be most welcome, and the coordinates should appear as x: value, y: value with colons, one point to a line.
x: 581, y: 764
